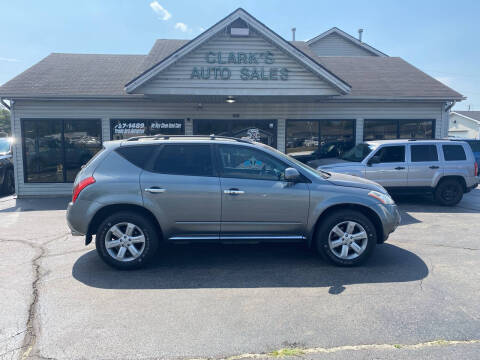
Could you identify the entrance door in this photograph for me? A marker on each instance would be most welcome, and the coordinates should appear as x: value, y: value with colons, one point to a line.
x: 391, y: 170
x: 264, y: 131
x: 256, y: 201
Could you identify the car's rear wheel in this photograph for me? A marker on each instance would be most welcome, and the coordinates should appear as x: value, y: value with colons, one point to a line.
x: 346, y: 238
x: 8, y: 186
x: 449, y: 192
x: 126, y: 240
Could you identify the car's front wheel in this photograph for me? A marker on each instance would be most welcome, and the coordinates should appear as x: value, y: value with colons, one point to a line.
x: 126, y: 240
x: 346, y: 238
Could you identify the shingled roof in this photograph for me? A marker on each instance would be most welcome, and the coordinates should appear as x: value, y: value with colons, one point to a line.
x: 92, y: 75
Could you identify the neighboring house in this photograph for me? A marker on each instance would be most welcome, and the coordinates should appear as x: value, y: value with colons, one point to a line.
x: 237, y: 78
x: 464, y: 124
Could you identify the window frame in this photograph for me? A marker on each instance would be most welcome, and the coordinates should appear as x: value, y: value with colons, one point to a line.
x: 219, y: 165
x: 398, y: 123
x: 354, y: 132
x: 230, y: 124
x: 63, y: 153
x: 424, y: 161
x: 387, y: 146
x: 150, y: 164
x: 148, y: 122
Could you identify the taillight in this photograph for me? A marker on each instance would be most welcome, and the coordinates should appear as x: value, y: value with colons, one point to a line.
x: 476, y: 168
x: 80, y: 186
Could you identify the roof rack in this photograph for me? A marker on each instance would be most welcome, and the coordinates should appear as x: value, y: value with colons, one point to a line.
x: 167, y: 137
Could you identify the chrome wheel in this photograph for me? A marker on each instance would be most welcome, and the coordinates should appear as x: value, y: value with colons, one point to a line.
x: 347, y: 240
x: 125, y: 241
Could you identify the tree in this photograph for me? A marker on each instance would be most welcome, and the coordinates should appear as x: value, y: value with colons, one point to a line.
x: 5, y: 121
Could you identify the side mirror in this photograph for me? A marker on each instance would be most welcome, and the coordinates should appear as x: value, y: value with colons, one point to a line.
x: 374, y: 160
x: 292, y: 174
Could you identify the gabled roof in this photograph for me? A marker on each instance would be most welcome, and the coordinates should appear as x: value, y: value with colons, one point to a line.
x: 252, y: 22
x: 104, y: 76
x: 75, y: 75
x: 347, y: 37
x: 470, y: 115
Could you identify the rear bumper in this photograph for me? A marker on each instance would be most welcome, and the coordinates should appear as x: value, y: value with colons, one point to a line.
x: 79, y: 215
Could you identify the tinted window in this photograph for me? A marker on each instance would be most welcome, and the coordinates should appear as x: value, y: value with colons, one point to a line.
x: 247, y: 163
x: 319, y: 138
x: 55, y: 149
x: 137, y: 155
x: 390, y: 154
x: 193, y: 160
x: 424, y: 153
x: 475, y: 145
x: 453, y: 152
x: 263, y: 131
x: 416, y: 129
x: 397, y: 129
x: 380, y: 129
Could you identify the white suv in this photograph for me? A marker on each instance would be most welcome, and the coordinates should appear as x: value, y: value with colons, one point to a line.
x: 445, y: 168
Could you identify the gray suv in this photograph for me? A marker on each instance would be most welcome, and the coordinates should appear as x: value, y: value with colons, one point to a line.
x: 447, y: 169
x: 137, y: 193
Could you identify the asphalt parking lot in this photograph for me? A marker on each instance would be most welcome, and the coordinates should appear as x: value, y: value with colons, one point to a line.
x: 416, y: 298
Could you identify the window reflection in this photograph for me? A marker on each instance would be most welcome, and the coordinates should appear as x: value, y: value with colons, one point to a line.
x: 388, y: 129
x: 55, y: 149
x: 307, y: 140
x: 263, y: 131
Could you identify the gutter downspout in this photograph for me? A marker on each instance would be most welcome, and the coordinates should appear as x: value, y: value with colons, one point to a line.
x: 5, y: 104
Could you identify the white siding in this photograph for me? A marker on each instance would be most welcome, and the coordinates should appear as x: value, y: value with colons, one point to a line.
x: 336, y: 45
x: 177, y: 78
x: 106, y: 110
x: 460, y: 126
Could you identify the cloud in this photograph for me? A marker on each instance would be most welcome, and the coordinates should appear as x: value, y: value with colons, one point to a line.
x: 181, y: 26
x: 9, y: 59
x: 202, y: 29
x: 160, y: 10
x: 447, y: 80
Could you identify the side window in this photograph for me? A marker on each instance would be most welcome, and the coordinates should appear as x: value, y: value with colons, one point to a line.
x: 138, y: 155
x: 454, y: 152
x: 184, y: 159
x: 424, y: 153
x: 391, y: 154
x: 247, y: 163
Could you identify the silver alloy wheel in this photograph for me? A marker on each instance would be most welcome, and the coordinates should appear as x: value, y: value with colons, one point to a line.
x: 348, y: 240
x: 125, y: 241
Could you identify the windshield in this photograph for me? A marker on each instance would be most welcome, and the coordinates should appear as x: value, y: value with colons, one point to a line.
x: 305, y: 167
x: 4, y: 145
x: 358, y: 153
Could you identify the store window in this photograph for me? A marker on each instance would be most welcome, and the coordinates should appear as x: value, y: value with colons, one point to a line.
x: 397, y: 129
x: 313, y: 139
x: 126, y: 128
x: 264, y: 131
x: 55, y: 149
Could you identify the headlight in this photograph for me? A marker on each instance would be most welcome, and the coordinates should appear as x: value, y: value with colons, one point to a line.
x: 383, y: 198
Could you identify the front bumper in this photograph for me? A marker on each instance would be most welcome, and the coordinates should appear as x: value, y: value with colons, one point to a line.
x: 391, y: 219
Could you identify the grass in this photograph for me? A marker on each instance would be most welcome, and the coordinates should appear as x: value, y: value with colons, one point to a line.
x: 287, y: 352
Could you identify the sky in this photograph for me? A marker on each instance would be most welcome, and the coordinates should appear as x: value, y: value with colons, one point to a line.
x: 439, y: 37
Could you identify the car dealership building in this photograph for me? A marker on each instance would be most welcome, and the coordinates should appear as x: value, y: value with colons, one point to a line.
x: 238, y: 78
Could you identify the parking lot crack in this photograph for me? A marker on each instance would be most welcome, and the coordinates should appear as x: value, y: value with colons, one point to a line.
x: 301, y: 352
x: 453, y: 247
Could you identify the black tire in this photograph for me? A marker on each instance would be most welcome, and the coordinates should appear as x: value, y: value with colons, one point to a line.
x: 149, y: 232
x: 8, y: 186
x: 338, y: 217
x: 449, y: 192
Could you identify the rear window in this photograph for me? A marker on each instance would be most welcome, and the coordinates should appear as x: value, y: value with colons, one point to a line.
x: 424, y: 153
x: 474, y: 144
x: 137, y: 155
x: 192, y: 160
x: 454, y: 152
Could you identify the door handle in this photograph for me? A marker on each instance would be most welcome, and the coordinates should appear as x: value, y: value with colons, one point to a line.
x: 434, y: 167
x: 233, y: 192
x: 399, y: 168
x: 155, y: 190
